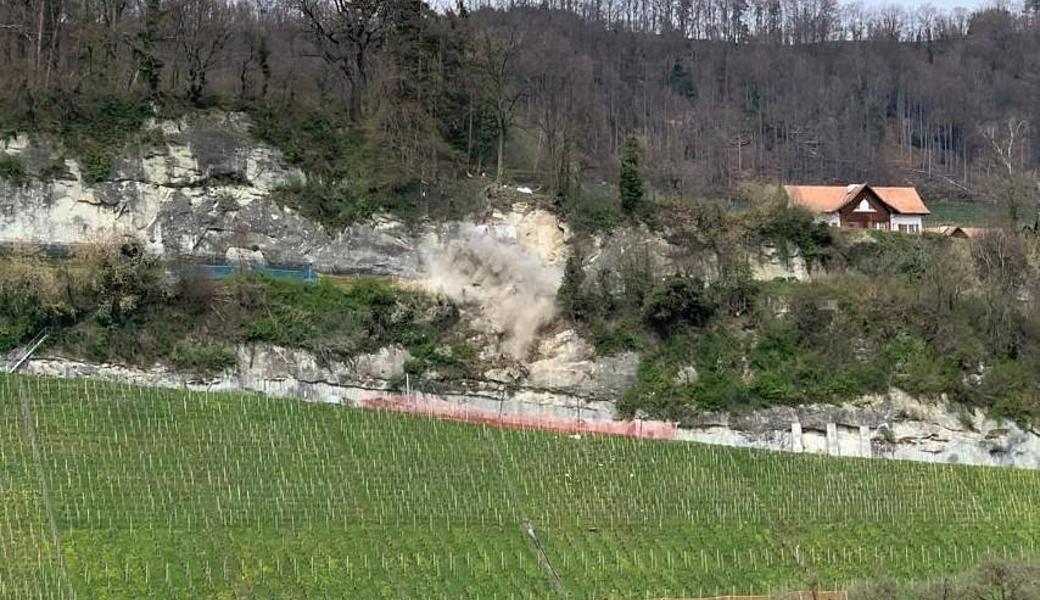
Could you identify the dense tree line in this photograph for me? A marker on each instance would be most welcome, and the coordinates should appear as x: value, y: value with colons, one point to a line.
x: 716, y: 90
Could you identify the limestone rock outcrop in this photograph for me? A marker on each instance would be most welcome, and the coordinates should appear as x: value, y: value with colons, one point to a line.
x: 893, y: 425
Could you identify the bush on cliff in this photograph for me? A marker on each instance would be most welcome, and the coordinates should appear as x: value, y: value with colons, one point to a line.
x: 931, y: 316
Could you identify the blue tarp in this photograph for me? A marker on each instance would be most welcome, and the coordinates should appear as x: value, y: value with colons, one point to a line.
x: 306, y: 275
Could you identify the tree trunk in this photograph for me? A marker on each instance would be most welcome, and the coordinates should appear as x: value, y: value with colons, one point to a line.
x: 469, y: 134
x: 501, y: 151
x: 39, y: 44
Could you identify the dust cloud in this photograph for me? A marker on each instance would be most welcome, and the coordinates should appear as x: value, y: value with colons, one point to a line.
x: 514, y: 291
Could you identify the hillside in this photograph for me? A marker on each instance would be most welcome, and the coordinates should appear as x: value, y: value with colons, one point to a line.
x: 731, y: 323
x: 171, y: 494
x: 386, y: 104
x: 554, y: 252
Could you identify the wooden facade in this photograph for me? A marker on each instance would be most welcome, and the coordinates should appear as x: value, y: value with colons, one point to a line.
x: 866, y: 211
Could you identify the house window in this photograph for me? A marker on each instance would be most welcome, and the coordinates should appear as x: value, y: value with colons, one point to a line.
x: 903, y: 228
x: 864, y: 206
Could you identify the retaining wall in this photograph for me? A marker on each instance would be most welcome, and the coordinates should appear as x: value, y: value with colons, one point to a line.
x: 902, y: 428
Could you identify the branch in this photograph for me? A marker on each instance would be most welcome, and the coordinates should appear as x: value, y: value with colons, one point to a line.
x: 15, y: 28
x: 959, y: 186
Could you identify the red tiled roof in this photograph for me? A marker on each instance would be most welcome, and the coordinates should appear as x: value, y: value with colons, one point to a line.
x: 972, y: 233
x: 819, y: 198
x: 905, y: 200
x: 975, y: 233
x: 829, y: 198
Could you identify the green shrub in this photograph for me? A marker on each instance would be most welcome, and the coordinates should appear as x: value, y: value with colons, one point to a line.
x: 882, y: 254
x: 793, y: 226
x: 570, y: 297
x: 721, y: 390
x: 349, y: 176
x: 656, y: 394
x: 338, y: 320
x: 813, y: 313
x: 56, y: 171
x: 124, y: 279
x: 592, y: 209
x: 112, y: 304
x: 1011, y: 390
x: 94, y: 129
x: 314, y: 140
x: 735, y: 296
x: 836, y: 382
x: 345, y: 179
x: 676, y: 303
x: 775, y: 387
x: 453, y: 361
x: 11, y: 169
x: 777, y: 343
x: 333, y: 204
x: 16, y: 329
x: 34, y: 295
x: 661, y: 393
x: 620, y: 335
x: 203, y: 359
x: 919, y: 369
x: 196, y: 328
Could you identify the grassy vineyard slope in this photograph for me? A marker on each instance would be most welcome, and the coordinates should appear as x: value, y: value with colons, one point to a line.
x: 161, y: 493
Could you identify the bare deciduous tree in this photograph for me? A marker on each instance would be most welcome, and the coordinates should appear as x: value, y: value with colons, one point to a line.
x: 503, y: 86
x: 346, y: 34
x: 202, y: 29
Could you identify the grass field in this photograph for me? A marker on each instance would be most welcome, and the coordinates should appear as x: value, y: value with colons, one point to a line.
x: 122, y: 492
x: 969, y: 214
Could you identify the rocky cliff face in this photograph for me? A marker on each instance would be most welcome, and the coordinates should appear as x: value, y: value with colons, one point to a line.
x: 892, y: 425
x: 628, y: 248
x: 188, y: 192
x: 201, y: 189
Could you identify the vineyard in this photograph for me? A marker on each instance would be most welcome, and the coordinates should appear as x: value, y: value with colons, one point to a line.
x: 111, y: 491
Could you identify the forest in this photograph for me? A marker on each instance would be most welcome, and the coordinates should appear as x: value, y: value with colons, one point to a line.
x: 394, y: 94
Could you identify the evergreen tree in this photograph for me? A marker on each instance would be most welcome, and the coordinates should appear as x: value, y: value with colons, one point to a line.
x: 264, y: 57
x: 570, y: 296
x: 630, y: 184
x: 146, y: 51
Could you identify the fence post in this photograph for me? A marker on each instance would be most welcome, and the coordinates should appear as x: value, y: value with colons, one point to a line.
x: 796, y: 437
x: 833, y: 447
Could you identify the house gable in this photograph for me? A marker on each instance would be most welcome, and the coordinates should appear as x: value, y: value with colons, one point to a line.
x: 865, y: 210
